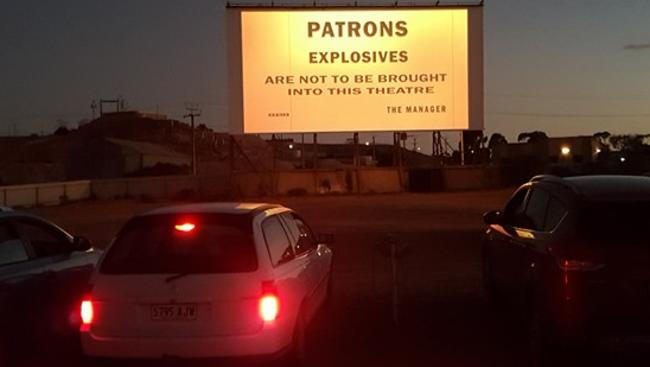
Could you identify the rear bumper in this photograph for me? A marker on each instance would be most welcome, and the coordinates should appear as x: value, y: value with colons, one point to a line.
x: 271, y: 342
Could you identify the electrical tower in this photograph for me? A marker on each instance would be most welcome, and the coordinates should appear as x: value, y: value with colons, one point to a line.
x: 119, y: 104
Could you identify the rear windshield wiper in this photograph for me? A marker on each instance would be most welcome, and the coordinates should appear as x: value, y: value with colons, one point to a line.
x: 176, y: 277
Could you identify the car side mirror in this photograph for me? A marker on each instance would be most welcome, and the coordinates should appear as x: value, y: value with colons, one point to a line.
x: 325, y: 239
x: 493, y: 217
x: 81, y: 244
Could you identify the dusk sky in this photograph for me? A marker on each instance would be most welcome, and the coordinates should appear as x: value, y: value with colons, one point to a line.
x: 565, y: 67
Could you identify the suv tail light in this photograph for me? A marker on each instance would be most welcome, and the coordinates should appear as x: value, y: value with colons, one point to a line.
x: 87, y: 313
x: 579, y: 265
x: 269, y: 305
x: 570, y: 271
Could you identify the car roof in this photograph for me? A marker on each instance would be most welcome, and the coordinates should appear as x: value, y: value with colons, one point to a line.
x: 214, y: 208
x: 10, y: 213
x: 612, y: 187
x: 605, y: 187
x: 18, y: 214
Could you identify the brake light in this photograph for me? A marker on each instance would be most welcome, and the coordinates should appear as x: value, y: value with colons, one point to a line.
x: 87, y: 313
x: 185, y: 227
x: 269, y: 306
x: 579, y: 265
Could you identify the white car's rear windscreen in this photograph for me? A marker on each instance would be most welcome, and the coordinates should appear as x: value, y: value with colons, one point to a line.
x: 183, y: 244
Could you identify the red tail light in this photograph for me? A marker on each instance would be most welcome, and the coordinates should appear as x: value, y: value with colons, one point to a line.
x: 87, y: 313
x: 579, y: 265
x: 269, y: 306
x: 185, y: 227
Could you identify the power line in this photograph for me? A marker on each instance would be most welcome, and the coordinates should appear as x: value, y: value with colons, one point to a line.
x: 569, y: 97
x: 566, y: 115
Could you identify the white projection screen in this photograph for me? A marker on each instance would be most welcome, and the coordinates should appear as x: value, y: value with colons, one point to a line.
x: 309, y: 70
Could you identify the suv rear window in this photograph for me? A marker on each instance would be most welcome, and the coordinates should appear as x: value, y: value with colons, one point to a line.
x: 218, y: 243
x: 617, y: 223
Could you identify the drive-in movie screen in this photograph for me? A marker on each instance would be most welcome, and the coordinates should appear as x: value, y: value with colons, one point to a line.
x: 387, y: 69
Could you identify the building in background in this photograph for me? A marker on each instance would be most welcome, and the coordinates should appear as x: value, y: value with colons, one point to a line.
x: 135, y: 156
x: 567, y: 151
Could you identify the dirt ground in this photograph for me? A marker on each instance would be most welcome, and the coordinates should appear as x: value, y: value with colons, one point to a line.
x: 100, y: 220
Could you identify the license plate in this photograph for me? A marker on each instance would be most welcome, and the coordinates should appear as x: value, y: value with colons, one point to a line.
x: 175, y: 312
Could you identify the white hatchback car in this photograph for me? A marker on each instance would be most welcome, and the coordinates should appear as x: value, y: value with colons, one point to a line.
x: 207, y: 280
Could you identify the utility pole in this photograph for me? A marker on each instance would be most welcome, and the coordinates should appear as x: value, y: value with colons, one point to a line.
x: 436, y: 146
x: 355, y: 158
x: 193, y: 111
x: 93, y: 107
x: 315, y: 140
x: 462, y: 148
x: 302, y: 151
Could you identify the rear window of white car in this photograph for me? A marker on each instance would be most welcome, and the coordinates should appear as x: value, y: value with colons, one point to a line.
x: 187, y: 244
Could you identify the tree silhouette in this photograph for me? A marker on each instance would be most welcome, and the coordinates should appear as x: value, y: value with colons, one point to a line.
x: 497, y: 139
x: 603, y: 140
x: 629, y: 143
x: 532, y: 137
x: 61, y: 130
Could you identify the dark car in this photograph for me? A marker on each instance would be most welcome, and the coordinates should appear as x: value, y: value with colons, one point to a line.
x: 572, y: 255
x: 44, y: 272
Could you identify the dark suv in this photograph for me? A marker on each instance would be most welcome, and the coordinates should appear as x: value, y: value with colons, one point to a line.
x: 573, y: 255
x: 44, y: 273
